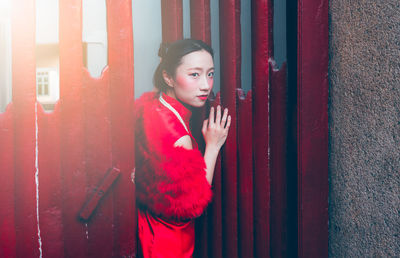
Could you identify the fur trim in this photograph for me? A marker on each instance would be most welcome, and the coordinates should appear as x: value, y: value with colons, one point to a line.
x: 176, y: 187
x: 170, y: 181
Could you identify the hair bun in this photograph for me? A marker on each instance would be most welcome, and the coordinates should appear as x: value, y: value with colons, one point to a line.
x: 162, y: 52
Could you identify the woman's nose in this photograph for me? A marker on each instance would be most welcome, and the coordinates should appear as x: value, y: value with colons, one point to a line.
x: 205, y: 84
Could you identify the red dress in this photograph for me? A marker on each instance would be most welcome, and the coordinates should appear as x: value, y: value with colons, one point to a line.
x: 171, y: 185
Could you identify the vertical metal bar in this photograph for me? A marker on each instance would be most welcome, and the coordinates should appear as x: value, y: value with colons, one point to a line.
x: 215, y: 211
x: 25, y: 155
x: 202, y: 241
x: 50, y: 194
x: 262, y: 51
x: 7, y: 191
x: 200, y: 27
x: 172, y: 20
x: 230, y: 41
x: 72, y: 127
x: 312, y: 117
x: 245, y: 177
x: 98, y: 159
x: 120, y: 53
x: 279, y: 131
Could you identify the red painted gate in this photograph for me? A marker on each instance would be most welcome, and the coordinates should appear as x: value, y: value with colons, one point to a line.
x: 53, y: 164
x: 67, y: 190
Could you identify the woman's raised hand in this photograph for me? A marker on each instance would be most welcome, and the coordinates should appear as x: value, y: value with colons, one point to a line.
x: 215, y: 128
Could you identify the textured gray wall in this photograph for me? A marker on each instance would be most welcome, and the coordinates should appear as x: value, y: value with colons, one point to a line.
x: 364, y: 108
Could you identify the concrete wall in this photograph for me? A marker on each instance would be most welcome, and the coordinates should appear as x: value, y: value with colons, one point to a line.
x: 364, y: 128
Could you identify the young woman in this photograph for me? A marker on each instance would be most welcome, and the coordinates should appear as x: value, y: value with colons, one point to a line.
x: 173, y: 179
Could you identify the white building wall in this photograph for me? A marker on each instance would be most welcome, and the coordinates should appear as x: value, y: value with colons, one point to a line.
x: 94, y: 33
x: 147, y: 37
x: 5, y: 54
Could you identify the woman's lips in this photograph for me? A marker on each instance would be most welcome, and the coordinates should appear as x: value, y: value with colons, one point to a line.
x: 203, y: 97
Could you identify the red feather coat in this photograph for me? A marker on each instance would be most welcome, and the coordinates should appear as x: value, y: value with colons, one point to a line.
x: 170, y: 181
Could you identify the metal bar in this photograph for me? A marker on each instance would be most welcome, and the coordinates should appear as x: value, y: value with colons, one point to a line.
x: 245, y: 178
x: 312, y: 133
x: 72, y: 127
x: 50, y: 182
x: 120, y: 53
x: 172, y: 20
x: 98, y: 157
x: 98, y: 194
x: 202, y: 241
x: 279, y: 245
x: 215, y: 211
x: 230, y: 41
x: 262, y: 52
x: 25, y: 155
x: 200, y: 27
x: 7, y: 191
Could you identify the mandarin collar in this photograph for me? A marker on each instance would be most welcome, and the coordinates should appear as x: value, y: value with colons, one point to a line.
x: 178, y: 106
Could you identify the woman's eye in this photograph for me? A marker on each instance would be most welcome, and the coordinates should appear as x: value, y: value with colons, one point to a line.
x: 211, y: 74
x: 195, y: 75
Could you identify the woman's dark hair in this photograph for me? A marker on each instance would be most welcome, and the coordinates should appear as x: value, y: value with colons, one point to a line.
x: 171, y: 57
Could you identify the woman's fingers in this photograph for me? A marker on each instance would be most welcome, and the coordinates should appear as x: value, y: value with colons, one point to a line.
x: 218, y: 116
x: 229, y: 123
x: 224, y: 117
x: 211, y: 118
x: 204, y: 128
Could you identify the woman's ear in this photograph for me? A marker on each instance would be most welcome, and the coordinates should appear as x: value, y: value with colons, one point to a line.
x: 168, y: 79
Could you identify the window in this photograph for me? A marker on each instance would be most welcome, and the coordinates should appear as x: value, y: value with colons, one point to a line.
x: 42, y: 83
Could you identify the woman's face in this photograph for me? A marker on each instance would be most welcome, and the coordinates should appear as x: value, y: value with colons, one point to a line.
x: 193, y: 80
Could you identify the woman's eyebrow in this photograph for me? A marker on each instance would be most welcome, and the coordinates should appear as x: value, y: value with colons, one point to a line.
x: 200, y: 69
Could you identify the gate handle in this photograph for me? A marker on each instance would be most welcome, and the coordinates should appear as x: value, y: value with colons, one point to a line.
x: 91, y: 203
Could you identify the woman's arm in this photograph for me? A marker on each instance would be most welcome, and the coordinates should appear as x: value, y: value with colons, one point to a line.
x: 215, y: 132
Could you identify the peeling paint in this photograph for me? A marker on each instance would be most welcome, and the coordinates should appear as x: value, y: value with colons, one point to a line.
x: 37, y: 179
x: 133, y: 175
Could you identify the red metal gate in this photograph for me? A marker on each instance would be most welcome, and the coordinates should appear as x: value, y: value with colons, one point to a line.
x: 57, y: 166
x: 52, y: 163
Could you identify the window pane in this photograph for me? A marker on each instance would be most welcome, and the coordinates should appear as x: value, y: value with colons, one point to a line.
x: 46, y: 89
x: 40, y: 90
